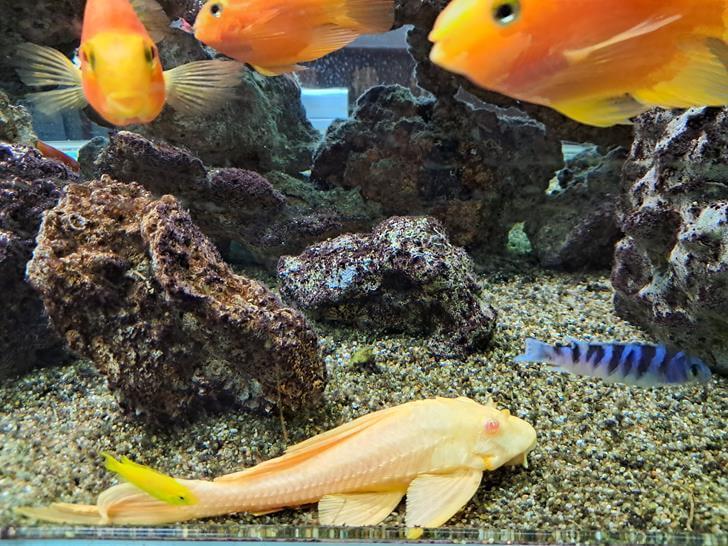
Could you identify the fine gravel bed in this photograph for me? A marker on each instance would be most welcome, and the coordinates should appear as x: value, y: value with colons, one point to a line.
x: 609, y: 457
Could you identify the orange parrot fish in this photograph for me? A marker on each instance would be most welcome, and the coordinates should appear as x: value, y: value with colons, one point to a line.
x: 54, y: 153
x: 600, y: 62
x: 434, y: 451
x: 121, y: 75
x: 273, y: 36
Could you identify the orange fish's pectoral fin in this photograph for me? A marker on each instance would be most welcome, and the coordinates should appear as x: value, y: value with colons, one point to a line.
x: 59, y: 512
x: 326, y: 39
x: 271, y: 71
x: 153, y: 17
x: 201, y: 86
x: 612, y: 46
x: 432, y: 499
x: 603, y: 111
x: 369, y: 16
x: 701, y: 78
x: 40, y: 66
x: 358, y: 509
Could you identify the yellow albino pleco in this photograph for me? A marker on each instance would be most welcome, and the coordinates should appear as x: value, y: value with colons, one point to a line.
x: 433, y: 451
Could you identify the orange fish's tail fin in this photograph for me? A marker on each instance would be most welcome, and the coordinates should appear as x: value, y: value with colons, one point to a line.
x: 201, y: 86
x: 369, y: 16
x: 59, y: 512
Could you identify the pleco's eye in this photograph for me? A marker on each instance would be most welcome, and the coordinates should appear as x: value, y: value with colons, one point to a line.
x: 506, y: 12
x: 491, y: 426
x: 216, y: 9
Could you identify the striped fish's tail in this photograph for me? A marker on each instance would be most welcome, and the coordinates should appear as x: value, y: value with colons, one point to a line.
x: 536, y: 351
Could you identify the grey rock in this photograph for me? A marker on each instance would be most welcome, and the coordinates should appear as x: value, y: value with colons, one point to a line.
x: 16, y: 125
x: 477, y: 170
x: 264, y: 217
x: 405, y: 276
x: 577, y: 227
x: 671, y: 269
x: 29, y: 185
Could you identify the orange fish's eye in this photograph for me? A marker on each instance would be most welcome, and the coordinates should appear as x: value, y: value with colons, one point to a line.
x: 216, y: 9
x: 491, y: 426
x: 150, y: 54
x: 506, y: 12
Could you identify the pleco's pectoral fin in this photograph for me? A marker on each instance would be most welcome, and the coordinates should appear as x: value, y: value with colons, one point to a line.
x: 271, y: 71
x: 200, y: 86
x: 153, y: 17
x: 40, y: 66
x: 432, y: 499
x: 602, y: 112
x: 357, y: 509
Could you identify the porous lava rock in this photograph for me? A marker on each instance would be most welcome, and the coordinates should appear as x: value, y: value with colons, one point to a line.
x: 264, y: 217
x: 29, y: 185
x: 134, y: 286
x: 576, y: 228
x: 478, y: 171
x: 16, y: 125
x: 671, y: 269
x: 405, y: 276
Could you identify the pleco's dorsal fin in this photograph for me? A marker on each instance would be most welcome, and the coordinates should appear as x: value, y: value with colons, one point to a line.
x: 432, y: 499
x: 153, y: 17
x: 201, y: 86
x: 358, y: 509
x: 311, y: 447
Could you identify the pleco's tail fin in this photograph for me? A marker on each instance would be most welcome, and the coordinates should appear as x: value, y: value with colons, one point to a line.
x: 370, y: 16
x: 123, y: 504
x: 59, y: 512
x: 536, y: 351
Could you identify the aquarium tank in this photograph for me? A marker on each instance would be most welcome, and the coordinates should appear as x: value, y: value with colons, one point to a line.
x: 364, y: 272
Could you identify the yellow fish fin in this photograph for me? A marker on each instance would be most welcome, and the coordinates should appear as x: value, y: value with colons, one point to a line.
x: 432, y: 499
x: 357, y: 509
x: 325, y: 39
x: 603, y: 48
x: 313, y: 446
x: 271, y: 71
x: 39, y: 66
x: 153, y: 17
x: 701, y: 78
x: 200, y: 86
x: 602, y: 112
x: 368, y: 16
x: 81, y: 514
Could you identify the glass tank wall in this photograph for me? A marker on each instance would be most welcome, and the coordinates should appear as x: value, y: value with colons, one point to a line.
x: 272, y: 272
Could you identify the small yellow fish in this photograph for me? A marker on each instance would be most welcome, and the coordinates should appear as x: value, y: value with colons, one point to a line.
x: 434, y: 451
x: 155, y: 483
